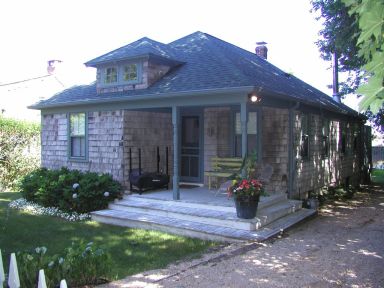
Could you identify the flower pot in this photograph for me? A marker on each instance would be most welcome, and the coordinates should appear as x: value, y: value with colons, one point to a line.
x: 246, y: 208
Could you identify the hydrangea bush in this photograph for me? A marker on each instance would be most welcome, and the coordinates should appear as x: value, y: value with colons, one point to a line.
x: 70, y: 190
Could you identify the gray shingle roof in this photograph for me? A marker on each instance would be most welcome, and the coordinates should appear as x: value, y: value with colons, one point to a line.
x: 208, y: 64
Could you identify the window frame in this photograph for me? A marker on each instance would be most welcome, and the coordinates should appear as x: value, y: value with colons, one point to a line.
x: 325, y: 138
x: 237, y: 151
x: 105, y: 75
x: 83, y: 137
x: 343, y: 138
x: 356, y: 134
x: 123, y: 73
x: 304, y: 137
x: 120, y: 74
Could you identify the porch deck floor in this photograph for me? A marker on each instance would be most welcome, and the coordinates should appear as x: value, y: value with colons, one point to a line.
x: 192, y: 195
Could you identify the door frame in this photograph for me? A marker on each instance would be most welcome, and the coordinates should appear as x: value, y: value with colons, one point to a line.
x: 196, y: 112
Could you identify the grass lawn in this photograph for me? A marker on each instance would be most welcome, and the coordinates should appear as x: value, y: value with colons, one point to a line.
x: 132, y: 250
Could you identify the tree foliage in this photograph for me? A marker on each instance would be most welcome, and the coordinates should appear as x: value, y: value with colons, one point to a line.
x: 340, y: 34
x: 19, y: 150
x: 370, y: 16
x: 353, y: 31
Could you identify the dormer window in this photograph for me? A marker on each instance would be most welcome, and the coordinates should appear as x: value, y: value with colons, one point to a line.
x: 110, y: 75
x: 130, y: 73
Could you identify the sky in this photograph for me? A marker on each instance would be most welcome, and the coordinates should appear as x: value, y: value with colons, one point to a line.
x: 74, y: 32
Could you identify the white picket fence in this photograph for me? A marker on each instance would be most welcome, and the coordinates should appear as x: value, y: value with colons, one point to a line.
x: 13, y: 275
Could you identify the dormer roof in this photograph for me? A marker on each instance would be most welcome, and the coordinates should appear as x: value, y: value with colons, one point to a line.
x: 142, y: 48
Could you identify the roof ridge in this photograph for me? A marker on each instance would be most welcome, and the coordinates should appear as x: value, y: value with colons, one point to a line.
x: 130, y: 45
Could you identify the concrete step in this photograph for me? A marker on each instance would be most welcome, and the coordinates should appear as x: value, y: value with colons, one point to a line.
x: 198, y: 230
x: 209, y: 214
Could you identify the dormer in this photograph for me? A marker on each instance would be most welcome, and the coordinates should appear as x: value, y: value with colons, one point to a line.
x: 134, y: 66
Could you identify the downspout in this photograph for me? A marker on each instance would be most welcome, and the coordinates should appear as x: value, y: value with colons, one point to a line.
x: 291, y: 157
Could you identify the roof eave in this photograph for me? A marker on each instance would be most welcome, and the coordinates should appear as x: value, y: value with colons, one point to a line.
x: 243, y: 89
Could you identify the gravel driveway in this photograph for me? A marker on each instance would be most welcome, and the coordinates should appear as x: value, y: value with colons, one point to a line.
x: 342, y: 247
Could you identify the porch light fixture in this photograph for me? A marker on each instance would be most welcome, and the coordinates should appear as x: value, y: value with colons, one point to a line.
x: 254, y: 98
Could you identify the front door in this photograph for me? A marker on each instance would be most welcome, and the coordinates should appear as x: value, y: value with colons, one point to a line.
x: 190, y: 148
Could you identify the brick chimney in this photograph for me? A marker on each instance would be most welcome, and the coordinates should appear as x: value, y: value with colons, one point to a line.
x: 261, y: 50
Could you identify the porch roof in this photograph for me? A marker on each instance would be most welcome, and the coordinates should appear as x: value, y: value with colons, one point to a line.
x: 207, y: 65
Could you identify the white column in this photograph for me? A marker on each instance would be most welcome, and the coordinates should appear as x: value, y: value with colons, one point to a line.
x: 175, y: 123
x: 244, y: 130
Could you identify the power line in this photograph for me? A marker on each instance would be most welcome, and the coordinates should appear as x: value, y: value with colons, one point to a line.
x: 25, y: 80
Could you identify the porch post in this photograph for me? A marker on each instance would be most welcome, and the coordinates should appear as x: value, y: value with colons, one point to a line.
x: 175, y: 123
x: 244, y: 130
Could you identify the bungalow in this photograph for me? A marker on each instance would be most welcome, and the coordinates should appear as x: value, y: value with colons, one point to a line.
x: 202, y: 97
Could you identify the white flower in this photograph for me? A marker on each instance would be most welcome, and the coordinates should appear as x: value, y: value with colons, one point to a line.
x: 61, y: 260
x: 35, y: 209
x: 43, y: 250
x: 50, y: 265
x: 37, y: 250
x: 106, y: 194
x: 74, y: 195
x: 75, y: 186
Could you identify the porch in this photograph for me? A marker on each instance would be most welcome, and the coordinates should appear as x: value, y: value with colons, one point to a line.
x: 202, y: 213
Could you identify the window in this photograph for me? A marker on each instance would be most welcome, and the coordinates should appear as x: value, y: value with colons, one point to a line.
x: 77, y: 135
x: 110, y: 75
x: 130, y: 73
x: 252, y: 133
x: 342, y: 138
x: 325, y: 139
x: 304, y: 144
x: 356, y: 138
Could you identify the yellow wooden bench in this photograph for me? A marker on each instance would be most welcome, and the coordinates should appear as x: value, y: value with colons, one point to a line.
x: 223, y: 168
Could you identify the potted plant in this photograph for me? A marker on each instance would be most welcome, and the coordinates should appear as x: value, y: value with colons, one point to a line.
x: 246, y: 194
x: 246, y: 189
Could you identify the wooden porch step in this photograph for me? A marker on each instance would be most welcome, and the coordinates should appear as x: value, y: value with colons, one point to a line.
x: 207, y: 214
x: 195, y: 229
x: 227, y: 205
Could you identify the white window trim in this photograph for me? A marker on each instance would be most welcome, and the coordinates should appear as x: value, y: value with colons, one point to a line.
x: 138, y: 72
x: 120, y: 75
x: 105, y: 76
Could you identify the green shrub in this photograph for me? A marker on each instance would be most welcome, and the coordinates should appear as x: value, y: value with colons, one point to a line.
x: 70, y: 190
x: 19, y: 150
x: 79, y: 265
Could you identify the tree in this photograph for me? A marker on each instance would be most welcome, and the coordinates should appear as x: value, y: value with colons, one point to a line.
x: 370, y: 16
x: 347, y: 30
x: 340, y: 34
x: 19, y: 150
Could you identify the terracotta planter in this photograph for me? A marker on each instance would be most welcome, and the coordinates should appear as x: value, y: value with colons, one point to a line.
x: 246, y: 208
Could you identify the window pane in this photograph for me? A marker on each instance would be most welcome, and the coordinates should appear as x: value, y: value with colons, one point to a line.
x: 304, y: 144
x: 325, y: 138
x: 252, y: 133
x: 130, y: 72
x: 111, y: 75
x: 77, y: 134
x: 78, y: 146
x: 77, y: 123
x: 251, y: 124
x: 190, y: 131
